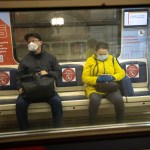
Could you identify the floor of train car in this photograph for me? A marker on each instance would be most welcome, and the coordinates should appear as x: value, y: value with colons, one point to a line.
x: 76, y: 118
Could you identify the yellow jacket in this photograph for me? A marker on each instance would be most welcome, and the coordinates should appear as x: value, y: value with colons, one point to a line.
x: 93, y: 68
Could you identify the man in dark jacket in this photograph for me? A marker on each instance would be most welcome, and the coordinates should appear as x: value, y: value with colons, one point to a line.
x: 42, y: 63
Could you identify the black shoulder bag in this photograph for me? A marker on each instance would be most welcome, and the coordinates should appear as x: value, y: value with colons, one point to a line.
x: 106, y: 87
x: 36, y: 86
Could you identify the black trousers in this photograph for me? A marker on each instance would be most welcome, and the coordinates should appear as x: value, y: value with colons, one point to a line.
x: 95, y: 101
x: 22, y: 105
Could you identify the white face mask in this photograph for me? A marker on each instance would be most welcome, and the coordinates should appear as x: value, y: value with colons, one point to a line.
x: 102, y: 57
x: 32, y: 47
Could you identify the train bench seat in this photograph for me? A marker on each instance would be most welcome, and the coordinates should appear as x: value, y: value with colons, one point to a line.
x: 137, y: 71
x: 71, y: 90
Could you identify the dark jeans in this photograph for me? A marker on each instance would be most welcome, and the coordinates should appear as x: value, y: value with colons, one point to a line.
x: 22, y: 105
x: 95, y: 101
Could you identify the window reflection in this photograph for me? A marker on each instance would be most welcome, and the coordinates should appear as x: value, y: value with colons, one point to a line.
x: 73, y: 42
x: 79, y: 26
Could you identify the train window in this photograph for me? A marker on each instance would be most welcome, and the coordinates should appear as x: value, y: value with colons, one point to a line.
x: 68, y: 34
x: 71, y: 35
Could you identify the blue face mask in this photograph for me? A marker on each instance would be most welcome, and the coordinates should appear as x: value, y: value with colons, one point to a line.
x: 102, y: 57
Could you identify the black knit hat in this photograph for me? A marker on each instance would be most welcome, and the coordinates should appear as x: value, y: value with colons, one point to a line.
x: 36, y: 35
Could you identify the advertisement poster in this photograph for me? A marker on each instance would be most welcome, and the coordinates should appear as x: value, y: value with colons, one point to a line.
x: 6, y: 47
x: 134, y: 43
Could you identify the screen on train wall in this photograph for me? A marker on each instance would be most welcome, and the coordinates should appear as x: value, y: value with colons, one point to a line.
x: 134, y: 34
x: 135, y: 18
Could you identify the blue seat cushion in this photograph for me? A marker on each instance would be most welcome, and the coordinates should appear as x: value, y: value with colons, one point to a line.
x: 78, y: 97
x: 71, y: 75
x: 141, y: 93
x: 141, y: 70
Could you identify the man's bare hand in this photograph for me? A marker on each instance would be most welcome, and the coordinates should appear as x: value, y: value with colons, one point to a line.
x: 20, y: 91
x: 43, y: 72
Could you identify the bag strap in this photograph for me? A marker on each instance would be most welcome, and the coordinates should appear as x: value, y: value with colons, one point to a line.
x: 116, y: 60
x: 95, y: 67
x: 113, y: 59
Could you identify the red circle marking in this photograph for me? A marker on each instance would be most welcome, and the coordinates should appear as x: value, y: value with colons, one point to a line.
x: 68, y: 74
x: 132, y: 71
x: 4, y: 78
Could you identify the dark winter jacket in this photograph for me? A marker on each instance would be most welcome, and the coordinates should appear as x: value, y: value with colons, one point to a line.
x: 33, y: 63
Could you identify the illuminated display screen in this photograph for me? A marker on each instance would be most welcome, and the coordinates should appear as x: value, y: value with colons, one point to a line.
x: 135, y: 18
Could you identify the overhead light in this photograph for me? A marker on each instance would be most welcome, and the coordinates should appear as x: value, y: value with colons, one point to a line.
x: 57, y: 21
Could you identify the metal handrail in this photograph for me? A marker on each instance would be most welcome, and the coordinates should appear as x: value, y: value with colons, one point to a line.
x: 112, y: 130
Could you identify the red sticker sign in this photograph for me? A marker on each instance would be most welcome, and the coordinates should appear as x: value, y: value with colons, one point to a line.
x: 68, y: 74
x: 4, y: 78
x: 132, y: 70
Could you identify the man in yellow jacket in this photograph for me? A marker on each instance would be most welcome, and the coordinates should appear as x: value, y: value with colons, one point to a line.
x: 100, y: 63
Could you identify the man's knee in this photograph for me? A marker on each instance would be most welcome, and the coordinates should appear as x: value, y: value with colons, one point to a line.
x: 21, y: 102
x: 55, y: 101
